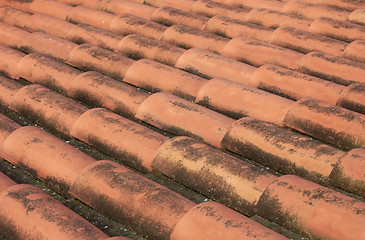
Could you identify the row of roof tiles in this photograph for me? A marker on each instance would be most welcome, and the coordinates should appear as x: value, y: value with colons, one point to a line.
x: 146, y: 106
x: 83, y: 56
x: 135, y: 103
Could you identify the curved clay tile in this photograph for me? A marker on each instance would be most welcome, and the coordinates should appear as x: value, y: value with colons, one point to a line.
x: 51, y: 25
x: 5, y: 181
x: 84, y: 33
x: 237, y: 100
x: 212, y: 8
x: 212, y: 172
x: 353, y: 98
x: 88, y: 57
x: 127, y: 197
x: 96, y: 89
x: 303, y: 41
x: 31, y: 148
x: 259, y: 53
x: 187, y: 37
x: 313, y: 210
x: 12, y: 36
x: 181, y: 4
x: 53, y: 110
x: 8, y: 89
x: 228, y: 27
x: 348, y: 173
x: 282, y: 149
x: 356, y: 51
x: 345, y: 31
x: 156, y: 77
x: 129, y: 142
x: 9, y: 60
x: 46, y: 71
x: 348, y: 5
x: 358, y: 16
x: 205, y: 63
x: 138, y: 46
x: 170, y: 16
x: 81, y: 14
x: 333, y: 68
x: 15, y: 17
x: 126, y: 24
x: 52, y: 8
x: 295, y: 85
x: 29, y: 213
x: 313, y: 11
x: 182, y: 117
x: 49, y: 45
x: 127, y: 6
x: 208, y: 221
x: 275, y: 19
x: 7, y: 127
x: 329, y: 123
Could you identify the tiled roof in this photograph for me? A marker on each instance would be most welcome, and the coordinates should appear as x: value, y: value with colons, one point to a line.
x: 256, y: 105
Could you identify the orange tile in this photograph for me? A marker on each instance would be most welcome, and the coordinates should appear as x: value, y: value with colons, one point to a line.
x: 21, y: 5
x: 49, y: 45
x: 214, y: 221
x: 127, y: 141
x: 225, y: 26
x: 12, y: 36
x: 131, y: 199
x: 28, y: 212
x: 84, y: 33
x: 353, y: 98
x: 9, y: 59
x: 127, y: 6
x: 212, y: 172
x: 52, y: 8
x: 8, y: 89
x: 156, y: 77
x: 336, y: 69
x: 5, y: 182
x: 313, y: 11
x: 259, y: 53
x: 138, y: 46
x: 303, y: 41
x: 329, y: 123
x: 81, y: 14
x: 345, y: 31
x: 237, y: 100
x: 181, y: 4
x: 212, y: 8
x: 275, y: 19
x: 7, y: 126
x: 15, y: 17
x: 295, y: 85
x: 281, y: 149
x: 50, y: 25
x: 88, y: 57
x: 46, y: 156
x: 192, y: 38
x: 182, y: 117
x: 356, y: 51
x: 275, y: 5
x: 52, y: 110
x: 170, y: 16
x: 349, y: 172
x: 46, y: 71
x: 348, y: 5
x: 128, y: 24
x: 96, y: 89
x: 206, y: 63
x: 357, y: 16
x: 311, y: 209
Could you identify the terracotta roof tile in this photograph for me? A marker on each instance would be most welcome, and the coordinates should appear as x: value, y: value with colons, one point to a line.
x: 277, y: 82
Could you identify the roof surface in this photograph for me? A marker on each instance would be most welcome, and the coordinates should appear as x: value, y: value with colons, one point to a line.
x: 160, y: 119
